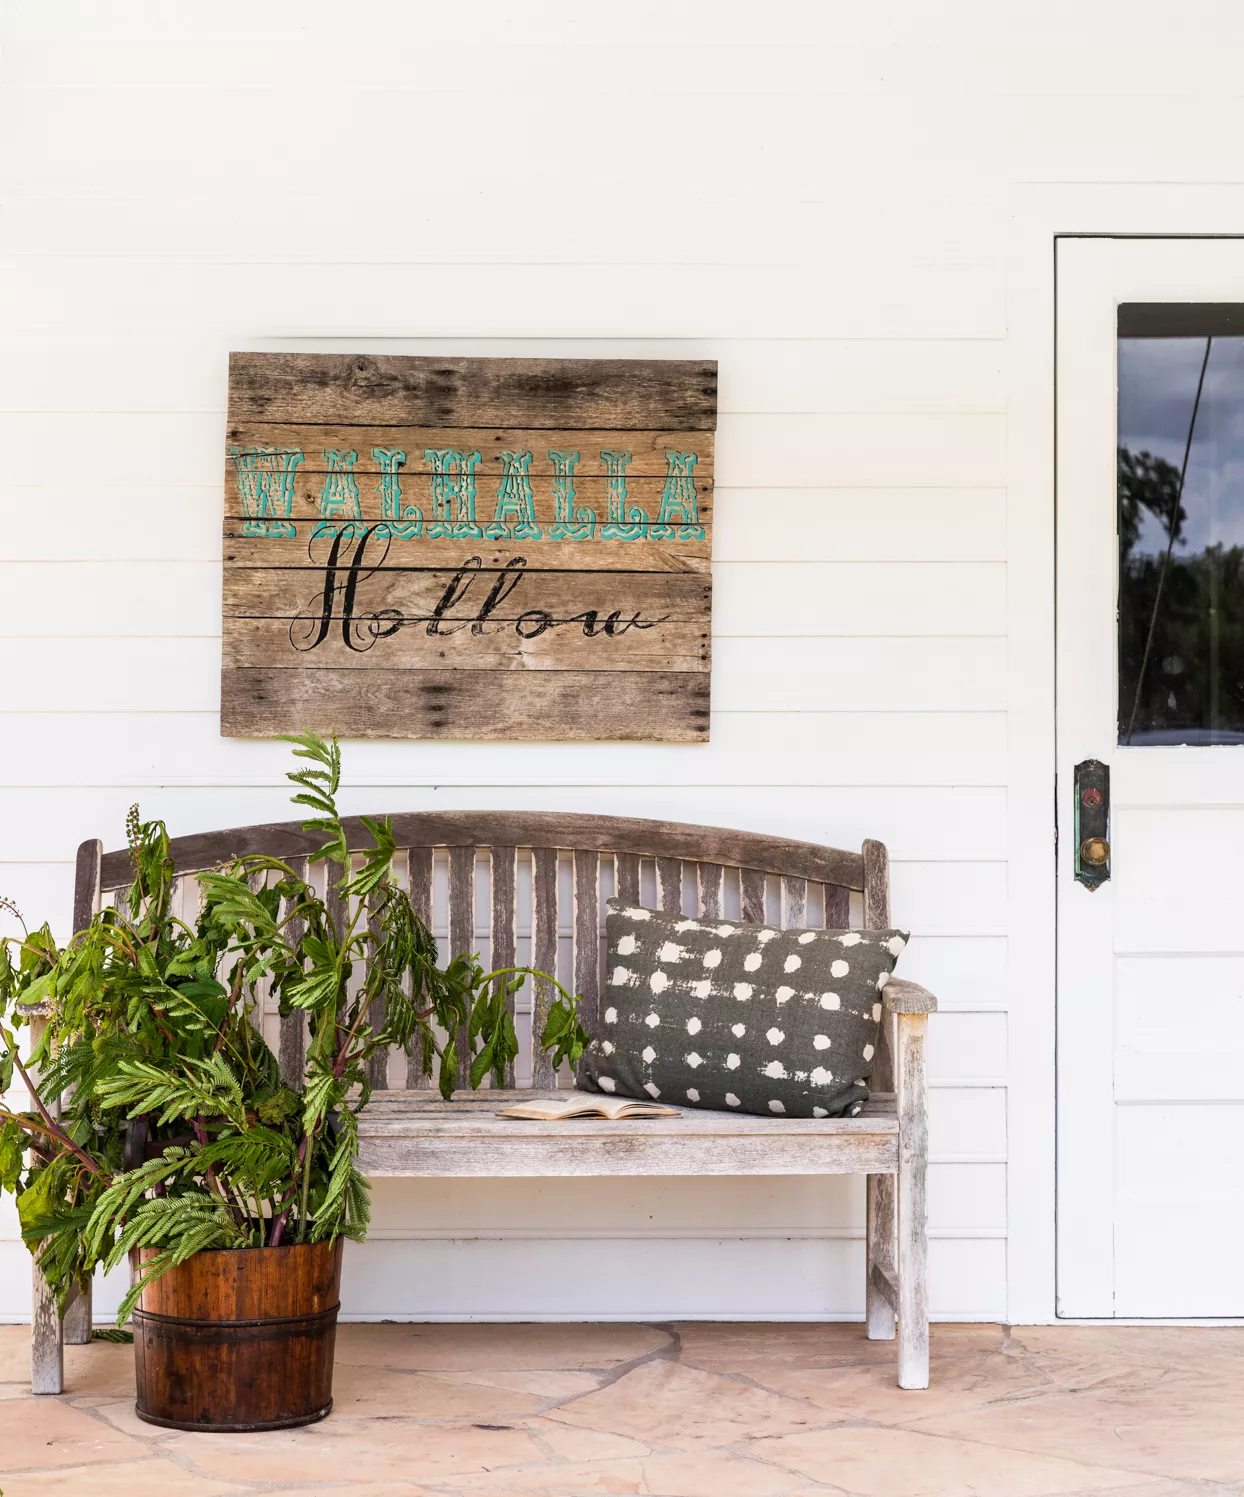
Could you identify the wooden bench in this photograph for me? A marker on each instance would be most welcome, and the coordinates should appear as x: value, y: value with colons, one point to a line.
x: 575, y: 861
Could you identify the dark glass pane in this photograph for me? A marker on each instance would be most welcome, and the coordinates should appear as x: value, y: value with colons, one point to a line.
x: 1181, y: 524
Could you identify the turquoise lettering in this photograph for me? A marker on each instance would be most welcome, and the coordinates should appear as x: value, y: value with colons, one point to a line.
x: 627, y: 522
x: 572, y: 524
x: 339, y: 498
x: 516, y: 510
x: 265, y: 478
x: 453, y: 494
x: 679, y: 502
x: 402, y: 521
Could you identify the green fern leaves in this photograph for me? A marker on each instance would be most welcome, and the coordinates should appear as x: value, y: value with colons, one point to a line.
x: 159, y: 1120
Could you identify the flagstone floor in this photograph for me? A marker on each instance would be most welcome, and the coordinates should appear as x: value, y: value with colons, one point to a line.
x: 691, y: 1410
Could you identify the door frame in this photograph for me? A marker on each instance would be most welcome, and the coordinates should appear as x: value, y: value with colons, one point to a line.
x: 1092, y: 274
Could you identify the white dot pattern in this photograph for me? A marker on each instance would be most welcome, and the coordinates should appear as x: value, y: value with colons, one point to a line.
x: 812, y: 994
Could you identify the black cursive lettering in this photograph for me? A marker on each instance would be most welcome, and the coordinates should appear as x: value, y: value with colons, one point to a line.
x: 456, y: 589
x: 505, y: 584
x: 360, y: 629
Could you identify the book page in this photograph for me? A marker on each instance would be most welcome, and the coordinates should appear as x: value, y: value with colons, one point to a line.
x: 579, y: 1105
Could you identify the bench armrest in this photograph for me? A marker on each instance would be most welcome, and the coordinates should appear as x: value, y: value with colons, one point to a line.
x: 902, y: 997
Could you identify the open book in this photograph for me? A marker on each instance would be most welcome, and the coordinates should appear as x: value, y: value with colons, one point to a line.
x: 585, y: 1105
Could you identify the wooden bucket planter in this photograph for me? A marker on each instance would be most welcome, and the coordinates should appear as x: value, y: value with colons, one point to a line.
x: 239, y: 1340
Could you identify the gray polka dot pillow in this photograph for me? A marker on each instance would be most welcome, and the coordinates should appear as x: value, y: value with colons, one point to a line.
x: 733, y: 1016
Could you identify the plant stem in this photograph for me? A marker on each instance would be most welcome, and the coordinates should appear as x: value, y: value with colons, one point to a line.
x: 27, y: 1125
x: 50, y: 1126
x: 306, y: 1189
x: 209, y: 1174
x: 286, y: 1201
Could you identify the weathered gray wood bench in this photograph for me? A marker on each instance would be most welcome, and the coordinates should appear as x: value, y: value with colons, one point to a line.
x: 688, y: 869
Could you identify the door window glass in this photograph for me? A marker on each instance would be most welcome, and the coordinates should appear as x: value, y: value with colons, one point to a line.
x: 1181, y: 523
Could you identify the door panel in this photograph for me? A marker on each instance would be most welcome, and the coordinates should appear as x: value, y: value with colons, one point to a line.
x: 1179, y: 877
x: 1153, y: 1058
x: 1150, y: 471
x: 1180, y: 1203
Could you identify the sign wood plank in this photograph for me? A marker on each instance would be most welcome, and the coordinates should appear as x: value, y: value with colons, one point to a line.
x: 468, y: 548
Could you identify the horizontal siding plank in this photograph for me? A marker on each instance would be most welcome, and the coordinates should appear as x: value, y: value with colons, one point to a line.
x: 859, y: 675
x: 895, y: 300
x: 854, y: 525
x: 926, y: 901
x: 967, y: 1047
x: 849, y: 748
x: 876, y: 598
x: 656, y: 48
x: 967, y: 1123
x: 883, y: 450
x: 882, y: 128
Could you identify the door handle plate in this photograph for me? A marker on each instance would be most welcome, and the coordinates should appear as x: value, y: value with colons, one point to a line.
x: 1092, y: 823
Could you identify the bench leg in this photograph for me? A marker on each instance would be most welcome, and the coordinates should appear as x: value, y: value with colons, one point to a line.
x: 76, y: 1326
x: 912, y: 1263
x: 879, y: 1251
x: 47, y: 1366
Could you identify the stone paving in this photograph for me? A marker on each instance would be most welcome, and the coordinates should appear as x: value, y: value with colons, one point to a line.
x: 693, y: 1410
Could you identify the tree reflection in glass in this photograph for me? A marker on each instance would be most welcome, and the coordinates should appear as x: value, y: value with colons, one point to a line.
x: 1181, y: 524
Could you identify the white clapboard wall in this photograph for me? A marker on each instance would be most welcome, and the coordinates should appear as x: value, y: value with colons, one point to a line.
x: 851, y: 208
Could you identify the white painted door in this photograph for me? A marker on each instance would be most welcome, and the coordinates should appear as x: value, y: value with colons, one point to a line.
x: 1150, y: 473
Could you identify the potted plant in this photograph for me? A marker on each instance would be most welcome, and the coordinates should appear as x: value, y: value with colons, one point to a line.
x: 160, y: 1126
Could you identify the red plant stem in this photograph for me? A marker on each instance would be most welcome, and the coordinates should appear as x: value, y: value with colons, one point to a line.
x: 27, y: 1126
x: 209, y: 1174
x: 287, y: 1201
x: 52, y: 1128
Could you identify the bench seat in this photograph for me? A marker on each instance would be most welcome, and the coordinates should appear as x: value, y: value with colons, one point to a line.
x: 416, y: 1133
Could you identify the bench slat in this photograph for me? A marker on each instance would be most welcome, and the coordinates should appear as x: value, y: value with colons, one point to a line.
x: 696, y: 1143
x: 292, y: 1043
x: 669, y: 886
x: 628, y: 877
x: 503, y: 950
x: 543, y: 955
x: 86, y: 886
x: 462, y: 931
x: 567, y: 830
x: 710, y: 878
x: 837, y: 907
x: 338, y: 908
x: 419, y: 877
x: 752, y: 885
x: 794, y: 903
x: 877, y: 917
x: 378, y: 1065
x: 587, y: 936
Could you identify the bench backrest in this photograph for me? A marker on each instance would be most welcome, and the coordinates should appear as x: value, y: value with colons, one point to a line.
x: 473, y: 860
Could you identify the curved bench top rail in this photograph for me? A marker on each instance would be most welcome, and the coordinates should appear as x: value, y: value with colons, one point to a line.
x: 570, y: 831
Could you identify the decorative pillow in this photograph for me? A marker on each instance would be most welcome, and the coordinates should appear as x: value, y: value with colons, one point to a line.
x: 728, y: 1015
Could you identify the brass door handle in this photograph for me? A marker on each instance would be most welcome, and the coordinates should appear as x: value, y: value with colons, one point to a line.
x: 1092, y: 823
x: 1095, y: 851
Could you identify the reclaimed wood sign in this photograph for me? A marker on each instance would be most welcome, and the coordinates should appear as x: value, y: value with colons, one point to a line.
x: 468, y: 548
